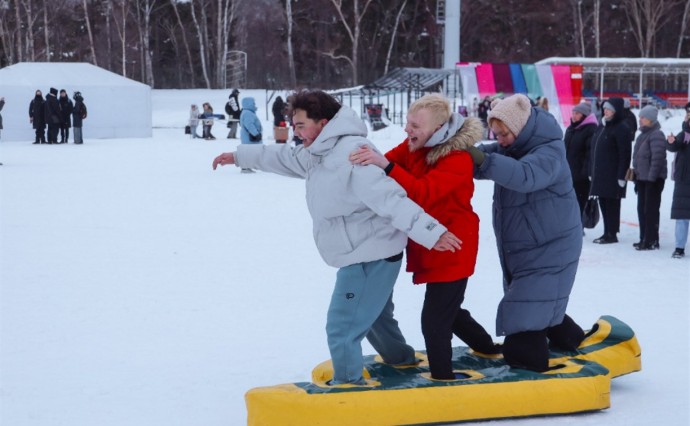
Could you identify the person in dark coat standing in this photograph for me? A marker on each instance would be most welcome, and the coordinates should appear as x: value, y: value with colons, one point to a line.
x: 578, y: 143
x: 630, y: 119
x: 66, y: 107
x: 680, y: 173
x: 649, y: 163
x: 37, y: 117
x: 233, y: 111
x: 52, y: 115
x: 611, y: 154
x: 78, y: 114
x: 279, y: 110
x: 538, y: 230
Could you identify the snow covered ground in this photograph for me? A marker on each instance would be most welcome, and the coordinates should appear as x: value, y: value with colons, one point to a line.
x: 140, y: 287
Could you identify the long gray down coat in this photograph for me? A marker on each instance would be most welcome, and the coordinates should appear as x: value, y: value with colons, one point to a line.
x: 537, y: 224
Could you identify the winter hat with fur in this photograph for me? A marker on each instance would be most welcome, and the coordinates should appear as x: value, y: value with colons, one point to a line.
x: 513, y: 111
x: 650, y: 113
x: 53, y: 91
x: 583, y: 108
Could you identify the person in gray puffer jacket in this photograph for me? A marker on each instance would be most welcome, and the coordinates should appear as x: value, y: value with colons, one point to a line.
x: 649, y: 163
x: 361, y: 222
x: 538, y: 230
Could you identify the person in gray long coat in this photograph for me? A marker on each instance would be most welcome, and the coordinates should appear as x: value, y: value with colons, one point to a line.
x: 538, y: 230
x: 649, y: 163
x: 361, y: 222
x: 680, y: 173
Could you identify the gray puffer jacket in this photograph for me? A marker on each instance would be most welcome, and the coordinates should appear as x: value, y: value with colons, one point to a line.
x: 649, y: 154
x: 359, y: 214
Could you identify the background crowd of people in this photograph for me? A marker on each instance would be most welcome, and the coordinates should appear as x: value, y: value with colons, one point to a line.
x: 58, y: 114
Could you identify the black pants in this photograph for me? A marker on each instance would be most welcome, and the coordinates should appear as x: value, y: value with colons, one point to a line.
x: 40, y: 134
x: 441, y: 317
x: 64, y: 133
x: 53, y: 130
x: 581, y: 192
x: 611, y: 215
x: 648, y: 204
x: 530, y: 349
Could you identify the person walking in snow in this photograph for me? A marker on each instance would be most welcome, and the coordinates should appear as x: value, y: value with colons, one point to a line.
x: 233, y: 110
x: 66, y: 107
x: 79, y: 114
x: 578, y: 145
x: 37, y: 117
x: 538, y: 230
x: 436, y: 172
x: 680, y: 173
x: 361, y: 222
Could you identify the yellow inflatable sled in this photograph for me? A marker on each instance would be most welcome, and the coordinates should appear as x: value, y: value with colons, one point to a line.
x: 489, y: 389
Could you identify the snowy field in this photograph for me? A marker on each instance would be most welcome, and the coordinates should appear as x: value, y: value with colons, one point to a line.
x: 140, y: 287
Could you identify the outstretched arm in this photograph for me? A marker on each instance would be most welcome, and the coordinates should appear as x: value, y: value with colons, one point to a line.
x: 227, y: 158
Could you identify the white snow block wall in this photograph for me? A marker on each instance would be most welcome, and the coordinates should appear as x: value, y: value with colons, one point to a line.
x: 117, y: 106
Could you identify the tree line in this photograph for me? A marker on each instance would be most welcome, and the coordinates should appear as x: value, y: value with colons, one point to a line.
x: 325, y: 43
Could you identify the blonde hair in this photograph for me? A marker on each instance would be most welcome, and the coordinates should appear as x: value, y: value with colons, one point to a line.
x: 501, y: 124
x: 436, y: 103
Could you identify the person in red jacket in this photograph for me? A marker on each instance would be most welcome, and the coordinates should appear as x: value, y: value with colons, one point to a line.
x: 437, y: 173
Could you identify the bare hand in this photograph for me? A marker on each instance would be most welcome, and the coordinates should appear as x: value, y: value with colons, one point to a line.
x: 448, y: 242
x: 364, y: 155
x: 670, y: 138
x: 224, y: 159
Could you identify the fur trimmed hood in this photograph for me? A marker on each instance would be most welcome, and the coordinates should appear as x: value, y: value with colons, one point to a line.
x: 470, y: 132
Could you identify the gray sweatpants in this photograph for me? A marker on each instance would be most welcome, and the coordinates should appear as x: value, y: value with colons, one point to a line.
x: 362, y: 306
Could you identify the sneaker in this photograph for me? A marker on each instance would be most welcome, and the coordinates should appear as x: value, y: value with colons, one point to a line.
x: 606, y: 239
x: 678, y: 253
x: 654, y: 245
x: 247, y: 171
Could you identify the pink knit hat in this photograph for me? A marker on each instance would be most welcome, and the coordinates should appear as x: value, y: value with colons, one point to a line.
x: 513, y: 111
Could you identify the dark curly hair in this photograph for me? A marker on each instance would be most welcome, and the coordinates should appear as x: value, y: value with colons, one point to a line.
x: 316, y: 103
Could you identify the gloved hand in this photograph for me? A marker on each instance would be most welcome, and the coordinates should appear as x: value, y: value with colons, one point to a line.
x: 621, y: 183
x: 477, y: 155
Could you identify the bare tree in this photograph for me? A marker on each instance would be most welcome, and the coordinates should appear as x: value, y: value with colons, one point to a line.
x: 46, y: 32
x: 30, y: 20
x: 88, y: 30
x: 145, y: 9
x: 202, y: 41
x: 646, y: 17
x: 684, y: 24
x: 108, y: 32
x: 353, y: 32
x: 597, y: 29
x: 188, y: 52
x: 395, y: 33
x: 20, y: 49
x: 121, y: 27
x: 224, y: 18
x: 291, y: 54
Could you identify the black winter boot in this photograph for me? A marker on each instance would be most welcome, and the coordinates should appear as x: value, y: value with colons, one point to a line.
x: 527, y: 350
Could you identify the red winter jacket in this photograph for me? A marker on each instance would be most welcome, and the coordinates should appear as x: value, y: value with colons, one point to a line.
x: 440, y: 180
